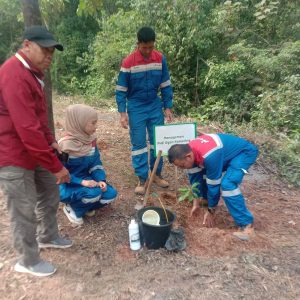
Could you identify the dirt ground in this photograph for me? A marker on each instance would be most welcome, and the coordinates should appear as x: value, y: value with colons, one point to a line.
x: 214, y: 265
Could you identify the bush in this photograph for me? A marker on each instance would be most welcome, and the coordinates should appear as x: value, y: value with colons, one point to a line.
x: 279, y: 109
x: 116, y: 40
x: 285, y: 153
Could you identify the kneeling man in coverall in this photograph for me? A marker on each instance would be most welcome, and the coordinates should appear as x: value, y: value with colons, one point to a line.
x: 142, y: 74
x: 218, y: 162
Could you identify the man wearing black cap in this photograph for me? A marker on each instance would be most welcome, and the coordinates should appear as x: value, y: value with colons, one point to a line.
x: 29, y: 169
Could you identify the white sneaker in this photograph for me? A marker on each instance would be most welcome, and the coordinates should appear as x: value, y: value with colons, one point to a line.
x: 69, y: 212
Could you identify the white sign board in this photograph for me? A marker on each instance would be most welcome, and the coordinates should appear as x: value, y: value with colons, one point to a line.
x: 170, y: 134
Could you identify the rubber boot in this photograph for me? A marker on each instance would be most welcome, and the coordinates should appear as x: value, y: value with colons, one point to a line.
x: 160, y: 181
x: 245, y: 233
x: 141, y: 187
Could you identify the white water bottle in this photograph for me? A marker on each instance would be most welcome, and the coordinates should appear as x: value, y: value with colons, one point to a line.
x: 134, y: 235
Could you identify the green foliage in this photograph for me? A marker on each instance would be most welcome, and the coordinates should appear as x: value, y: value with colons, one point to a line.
x: 88, y: 7
x: 189, y: 193
x: 279, y: 109
x: 285, y: 153
x: 223, y: 76
x: 49, y: 8
x: 111, y: 45
x: 11, y: 28
x: 76, y: 33
x: 273, y: 65
x: 265, y: 10
x: 97, y: 8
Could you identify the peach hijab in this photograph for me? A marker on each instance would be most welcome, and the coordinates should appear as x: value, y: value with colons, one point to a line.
x: 76, y: 141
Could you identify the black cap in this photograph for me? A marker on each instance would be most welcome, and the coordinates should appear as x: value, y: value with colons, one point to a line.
x: 41, y: 36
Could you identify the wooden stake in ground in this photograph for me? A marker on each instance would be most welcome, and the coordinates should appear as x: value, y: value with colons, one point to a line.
x: 152, y: 177
x: 176, y: 180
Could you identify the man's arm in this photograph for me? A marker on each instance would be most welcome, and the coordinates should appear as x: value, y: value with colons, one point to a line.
x: 213, y: 164
x: 124, y: 120
x: 166, y: 87
x: 197, y: 178
x: 168, y: 115
x: 121, y: 94
x: 63, y: 176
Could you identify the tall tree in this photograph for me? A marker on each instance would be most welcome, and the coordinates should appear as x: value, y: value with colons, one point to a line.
x: 31, y: 12
x: 32, y: 16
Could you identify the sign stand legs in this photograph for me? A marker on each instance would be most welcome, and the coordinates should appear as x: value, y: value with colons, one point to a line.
x: 152, y: 177
x: 176, y: 180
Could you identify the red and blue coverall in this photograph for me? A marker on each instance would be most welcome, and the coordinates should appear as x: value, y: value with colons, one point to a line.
x: 137, y: 88
x: 221, y: 160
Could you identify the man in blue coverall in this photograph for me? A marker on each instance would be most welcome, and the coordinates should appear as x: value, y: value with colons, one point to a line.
x: 218, y: 162
x: 142, y: 74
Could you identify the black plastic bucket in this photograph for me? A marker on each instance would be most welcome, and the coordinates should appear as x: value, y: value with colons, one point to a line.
x: 155, y: 236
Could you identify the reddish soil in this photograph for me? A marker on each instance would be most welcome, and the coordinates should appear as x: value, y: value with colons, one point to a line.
x: 214, y: 265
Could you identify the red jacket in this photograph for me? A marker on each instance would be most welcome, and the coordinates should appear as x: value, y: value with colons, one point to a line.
x: 25, y: 137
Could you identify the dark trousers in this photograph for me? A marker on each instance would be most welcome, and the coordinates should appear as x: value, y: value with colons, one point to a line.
x: 32, y: 202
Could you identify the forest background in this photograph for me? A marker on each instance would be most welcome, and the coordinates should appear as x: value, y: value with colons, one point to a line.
x: 234, y: 64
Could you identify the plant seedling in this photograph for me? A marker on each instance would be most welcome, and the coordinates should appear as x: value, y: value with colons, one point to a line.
x: 188, y: 193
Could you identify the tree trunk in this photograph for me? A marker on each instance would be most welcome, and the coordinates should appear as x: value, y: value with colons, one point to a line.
x: 32, y: 16
x: 48, y: 93
x: 31, y: 12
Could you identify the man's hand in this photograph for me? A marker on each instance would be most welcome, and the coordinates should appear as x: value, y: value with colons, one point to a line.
x: 63, y: 176
x: 209, y: 218
x: 56, y: 147
x: 124, y: 120
x: 168, y: 115
x: 196, y: 203
x: 103, y: 186
x: 89, y: 183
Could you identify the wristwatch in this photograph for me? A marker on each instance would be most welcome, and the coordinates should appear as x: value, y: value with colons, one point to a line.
x: 211, y: 210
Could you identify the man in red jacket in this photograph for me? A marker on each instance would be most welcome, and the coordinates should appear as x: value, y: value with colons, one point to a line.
x: 29, y: 169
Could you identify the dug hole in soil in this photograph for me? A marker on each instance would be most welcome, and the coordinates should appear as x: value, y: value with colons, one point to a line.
x: 214, y: 265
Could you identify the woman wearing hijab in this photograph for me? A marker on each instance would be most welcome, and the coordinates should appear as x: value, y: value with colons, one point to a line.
x: 88, y: 189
